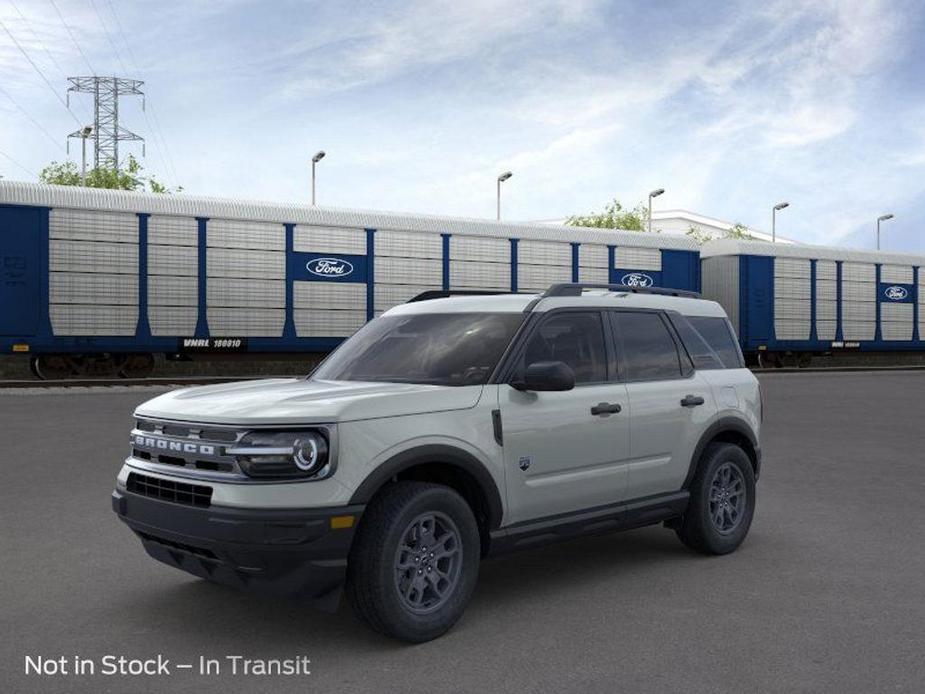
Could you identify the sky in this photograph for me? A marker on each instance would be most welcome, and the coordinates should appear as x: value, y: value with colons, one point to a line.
x: 731, y: 107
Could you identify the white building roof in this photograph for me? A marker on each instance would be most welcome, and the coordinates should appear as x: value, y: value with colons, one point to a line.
x: 19, y: 193
x: 739, y: 247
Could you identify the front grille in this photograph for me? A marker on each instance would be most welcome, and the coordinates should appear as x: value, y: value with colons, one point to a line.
x: 183, y: 547
x: 190, y: 446
x: 169, y: 490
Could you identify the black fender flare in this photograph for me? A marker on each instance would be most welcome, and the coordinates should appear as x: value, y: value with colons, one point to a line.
x: 717, y: 428
x: 434, y: 453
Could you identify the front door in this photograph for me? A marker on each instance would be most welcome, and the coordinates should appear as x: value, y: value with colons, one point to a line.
x: 561, y: 456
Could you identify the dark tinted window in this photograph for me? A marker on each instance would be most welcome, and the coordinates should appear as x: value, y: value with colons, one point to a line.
x: 577, y: 339
x: 448, y: 349
x: 648, y: 350
x: 702, y: 355
x: 718, y: 334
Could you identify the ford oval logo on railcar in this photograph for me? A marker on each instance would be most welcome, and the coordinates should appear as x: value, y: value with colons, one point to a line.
x: 637, y: 279
x: 329, y: 267
x: 896, y: 293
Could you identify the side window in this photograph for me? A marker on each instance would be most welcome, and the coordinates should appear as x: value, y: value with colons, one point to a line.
x: 574, y: 338
x: 648, y: 349
x: 701, y: 353
x: 719, y: 335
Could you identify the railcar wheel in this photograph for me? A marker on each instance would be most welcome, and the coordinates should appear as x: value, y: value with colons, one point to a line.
x: 52, y: 367
x: 136, y: 366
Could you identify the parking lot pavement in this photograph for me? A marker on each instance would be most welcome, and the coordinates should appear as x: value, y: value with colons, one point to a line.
x: 824, y: 596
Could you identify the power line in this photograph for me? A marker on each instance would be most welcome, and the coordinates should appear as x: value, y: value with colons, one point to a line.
x: 73, y: 38
x: 115, y: 49
x: 41, y: 74
x: 41, y: 43
x: 21, y: 166
x: 34, y: 121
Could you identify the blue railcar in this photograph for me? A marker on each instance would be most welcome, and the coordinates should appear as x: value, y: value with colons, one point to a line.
x: 791, y: 301
x: 116, y: 277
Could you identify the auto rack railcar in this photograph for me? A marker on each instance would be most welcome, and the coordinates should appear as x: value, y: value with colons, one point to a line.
x: 116, y: 277
x: 790, y: 301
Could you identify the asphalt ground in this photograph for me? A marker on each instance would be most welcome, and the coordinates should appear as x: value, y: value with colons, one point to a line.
x: 826, y: 594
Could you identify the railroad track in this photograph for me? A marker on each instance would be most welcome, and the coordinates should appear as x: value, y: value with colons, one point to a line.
x: 207, y: 380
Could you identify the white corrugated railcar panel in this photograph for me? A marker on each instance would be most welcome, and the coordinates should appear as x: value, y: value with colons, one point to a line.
x: 233, y: 262
x: 826, y: 270
x: 858, y: 330
x: 172, y: 320
x: 858, y: 272
x: 480, y: 248
x: 896, y: 321
x: 415, y: 271
x: 859, y: 291
x: 826, y: 310
x: 540, y: 277
x: 720, y: 283
x: 598, y: 275
x: 327, y: 295
x: 592, y: 255
x: 93, y: 225
x: 318, y: 239
x: 792, y: 287
x: 628, y: 258
x: 791, y: 329
x: 797, y: 309
x: 309, y: 323
x: 896, y: 273
x: 408, y: 244
x: 89, y: 288
x: 826, y: 329
x: 474, y: 275
x: 246, y: 322
x: 233, y: 233
x: 544, y: 253
x: 826, y: 289
x: 76, y: 319
x: 91, y: 256
x: 173, y: 261
x: 791, y: 267
x: 388, y: 295
x: 859, y: 310
x: 173, y: 231
x: 173, y: 291
x: 896, y: 330
x: 245, y: 293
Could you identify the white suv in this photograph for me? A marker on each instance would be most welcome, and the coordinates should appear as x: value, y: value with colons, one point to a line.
x: 446, y: 430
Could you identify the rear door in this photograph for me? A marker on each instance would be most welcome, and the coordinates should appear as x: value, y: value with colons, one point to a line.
x: 566, y: 451
x: 670, y: 403
x: 20, y: 271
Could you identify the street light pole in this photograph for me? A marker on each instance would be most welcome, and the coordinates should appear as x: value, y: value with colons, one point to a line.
x: 84, y: 134
x: 501, y: 179
x: 315, y: 159
x: 654, y: 194
x: 777, y: 208
x: 881, y: 218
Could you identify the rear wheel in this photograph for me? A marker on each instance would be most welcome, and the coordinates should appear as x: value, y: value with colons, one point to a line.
x: 722, y: 501
x: 415, y: 561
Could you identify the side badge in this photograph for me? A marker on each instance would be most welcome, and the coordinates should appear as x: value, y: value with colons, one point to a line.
x: 525, y: 461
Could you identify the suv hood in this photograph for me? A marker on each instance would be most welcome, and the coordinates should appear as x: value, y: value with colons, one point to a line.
x: 299, y: 401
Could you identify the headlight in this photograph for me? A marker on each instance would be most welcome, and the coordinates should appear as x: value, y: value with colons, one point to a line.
x: 283, y: 454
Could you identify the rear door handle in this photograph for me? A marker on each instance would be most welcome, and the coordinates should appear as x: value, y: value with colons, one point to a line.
x: 691, y: 401
x: 605, y: 408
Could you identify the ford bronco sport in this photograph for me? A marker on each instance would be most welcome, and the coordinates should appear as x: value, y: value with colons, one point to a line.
x: 447, y: 430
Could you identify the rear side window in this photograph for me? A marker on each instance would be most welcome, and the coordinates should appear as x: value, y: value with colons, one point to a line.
x: 648, y: 350
x: 718, y: 334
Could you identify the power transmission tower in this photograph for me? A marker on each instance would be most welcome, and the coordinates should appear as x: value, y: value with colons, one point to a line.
x: 107, y: 133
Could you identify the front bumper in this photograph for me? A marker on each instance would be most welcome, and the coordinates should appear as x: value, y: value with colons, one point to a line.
x: 284, y: 552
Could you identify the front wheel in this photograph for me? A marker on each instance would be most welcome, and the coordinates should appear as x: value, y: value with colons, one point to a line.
x: 415, y: 561
x: 722, y: 501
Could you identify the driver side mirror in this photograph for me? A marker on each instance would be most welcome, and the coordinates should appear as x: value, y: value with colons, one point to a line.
x: 546, y: 376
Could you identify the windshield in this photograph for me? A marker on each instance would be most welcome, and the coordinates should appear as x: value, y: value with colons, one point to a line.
x: 447, y: 349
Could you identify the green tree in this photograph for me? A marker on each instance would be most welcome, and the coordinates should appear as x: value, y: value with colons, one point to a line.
x: 614, y: 216
x: 736, y: 231
x: 131, y: 177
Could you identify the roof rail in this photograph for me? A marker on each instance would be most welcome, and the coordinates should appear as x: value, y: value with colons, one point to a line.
x: 576, y: 288
x: 446, y: 293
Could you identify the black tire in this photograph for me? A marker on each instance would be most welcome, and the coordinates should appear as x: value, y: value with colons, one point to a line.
x: 699, y: 529
x: 374, y: 574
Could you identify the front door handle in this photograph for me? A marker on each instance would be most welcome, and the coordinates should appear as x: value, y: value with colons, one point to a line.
x: 605, y: 408
x: 691, y: 401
